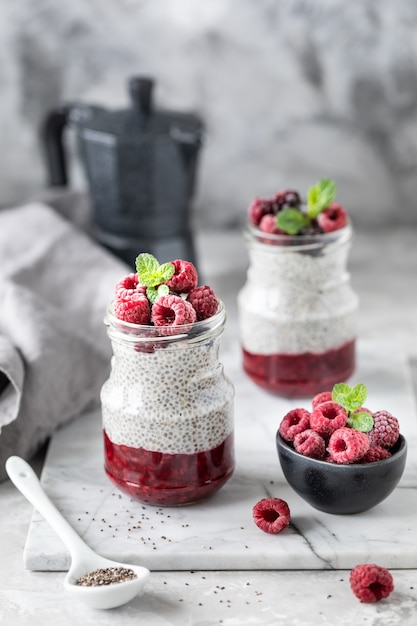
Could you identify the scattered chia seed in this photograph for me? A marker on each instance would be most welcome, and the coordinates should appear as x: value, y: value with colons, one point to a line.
x: 106, y: 576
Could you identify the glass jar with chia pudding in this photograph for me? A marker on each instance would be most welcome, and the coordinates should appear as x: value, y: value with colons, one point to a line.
x: 167, y: 408
x: 297, y: 310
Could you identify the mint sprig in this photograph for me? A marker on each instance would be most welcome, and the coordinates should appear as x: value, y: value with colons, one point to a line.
x: 351, y: 399
x: 150, y: 273
x: 319, y: 196
x: 152, y: 293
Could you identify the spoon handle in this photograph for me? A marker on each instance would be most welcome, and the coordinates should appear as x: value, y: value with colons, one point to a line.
x: 25, y: 479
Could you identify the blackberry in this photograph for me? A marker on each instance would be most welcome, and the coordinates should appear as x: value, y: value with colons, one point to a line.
x: 286, y: 199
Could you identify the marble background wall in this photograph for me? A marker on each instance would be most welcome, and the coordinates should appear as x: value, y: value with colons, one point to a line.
x: 290, y: 91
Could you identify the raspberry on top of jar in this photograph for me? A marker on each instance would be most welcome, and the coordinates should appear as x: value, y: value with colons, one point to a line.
x: 165, y: 294
x: 286, y: 214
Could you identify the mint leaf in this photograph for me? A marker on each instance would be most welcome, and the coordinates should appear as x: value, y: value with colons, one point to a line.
x: 150, y: 272
x: 340, y: 393
x: 292, y: 221
x: 153, y: 293
x: 166, y: 270
x: 350, y: 398
x: 320, y: 196
x: 362, y: 421
x: 356, y: 397
x: 163, y: 290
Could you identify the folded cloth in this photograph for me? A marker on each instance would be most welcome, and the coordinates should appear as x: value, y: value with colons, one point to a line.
x: 55, y: 284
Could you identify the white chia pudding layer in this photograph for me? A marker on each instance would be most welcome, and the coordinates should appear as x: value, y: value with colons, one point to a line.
x: 174, y: 400
x: 295, y: 302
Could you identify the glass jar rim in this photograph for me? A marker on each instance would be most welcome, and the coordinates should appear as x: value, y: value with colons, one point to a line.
x: 196, y: 332
x: 292, y: 243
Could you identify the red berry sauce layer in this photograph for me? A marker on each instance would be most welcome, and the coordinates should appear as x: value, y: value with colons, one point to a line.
x: 300, y: 375
x: 164, y: 479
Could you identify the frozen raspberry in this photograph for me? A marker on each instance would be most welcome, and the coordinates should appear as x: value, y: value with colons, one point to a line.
x: 309, y: 443
x: 328, y: 417
x: 258, y: 208
x: 375, y: 453
x: 268, y: 224
x: 185, y: 277
x: 287, y: 198
x: 204, y: 301
x: 127, y: 286
x: 324, y: 396
x: 134, y: 309
x: 271, y: 515
x: 172, y: 310
x: 332, y: 218
x: 293, y: 423
x: 370, y: 582
x: 385, y: 431
x: 347, y: 445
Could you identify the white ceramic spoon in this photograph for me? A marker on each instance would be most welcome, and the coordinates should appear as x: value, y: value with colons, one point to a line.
x: 83, y: 558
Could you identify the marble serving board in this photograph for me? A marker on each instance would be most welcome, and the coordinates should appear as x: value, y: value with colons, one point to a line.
x: 220, y: 533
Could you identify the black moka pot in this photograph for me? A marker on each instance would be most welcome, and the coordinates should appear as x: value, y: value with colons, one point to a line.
x: 140, y: 165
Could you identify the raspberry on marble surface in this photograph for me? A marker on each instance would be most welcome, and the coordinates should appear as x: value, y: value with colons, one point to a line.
x: 370, y: 582
x: 271, y: 515
x: 327, y: 417
x: 294, y: 422
x: 347, y: 445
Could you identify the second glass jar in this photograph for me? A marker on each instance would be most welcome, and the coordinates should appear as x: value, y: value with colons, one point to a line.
x: 298, y: 312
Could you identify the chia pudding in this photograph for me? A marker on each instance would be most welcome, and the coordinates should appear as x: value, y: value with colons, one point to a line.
x: 167, y: 410
x: 297, y: 311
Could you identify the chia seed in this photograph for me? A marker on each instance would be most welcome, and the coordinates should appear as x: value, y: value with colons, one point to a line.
x: 106, y: 576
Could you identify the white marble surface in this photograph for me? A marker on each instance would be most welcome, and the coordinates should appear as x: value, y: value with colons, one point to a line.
x: 219, y: 533
x: 384, y: 265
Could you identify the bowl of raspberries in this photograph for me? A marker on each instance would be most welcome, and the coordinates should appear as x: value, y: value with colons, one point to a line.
x: 339, y: 456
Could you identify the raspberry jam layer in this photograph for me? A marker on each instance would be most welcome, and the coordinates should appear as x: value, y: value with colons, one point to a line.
x: 168, y: 479
x: 300, y: 375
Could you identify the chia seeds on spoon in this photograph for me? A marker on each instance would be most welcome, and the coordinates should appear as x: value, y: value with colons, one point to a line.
x: 106, y: 576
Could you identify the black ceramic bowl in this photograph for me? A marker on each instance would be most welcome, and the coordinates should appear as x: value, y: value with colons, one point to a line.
x: 342, y: 489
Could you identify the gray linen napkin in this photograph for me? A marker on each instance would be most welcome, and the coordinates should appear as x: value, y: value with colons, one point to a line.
x: 55, y: 284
